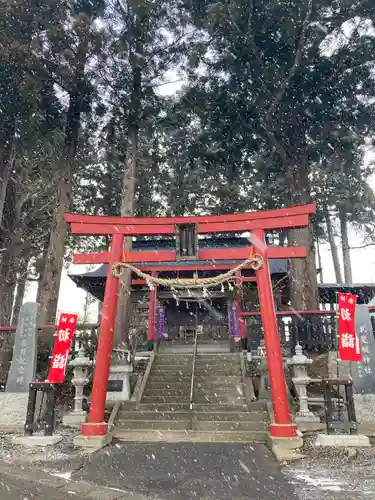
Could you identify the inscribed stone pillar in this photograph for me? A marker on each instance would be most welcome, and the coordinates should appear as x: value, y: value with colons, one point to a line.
x: 363, y: 372
x: 22, y: 371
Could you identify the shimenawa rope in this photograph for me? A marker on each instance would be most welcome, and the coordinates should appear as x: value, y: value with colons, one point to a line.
x: 255, y: 262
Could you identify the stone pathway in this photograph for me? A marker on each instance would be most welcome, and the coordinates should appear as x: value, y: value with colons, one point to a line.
x: 181, y: 471
x: 30, y: 483
x: 185, y: 471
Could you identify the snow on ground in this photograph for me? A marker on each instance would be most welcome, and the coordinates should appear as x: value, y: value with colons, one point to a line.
x: 328, y: 474
x: 16, y: 454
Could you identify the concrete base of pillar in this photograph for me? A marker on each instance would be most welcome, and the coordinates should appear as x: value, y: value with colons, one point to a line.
x: 33, y: 441
x: 74, y: 418
x: 92, y: 441
x: 306, y: 426
x: 343, y: 440
x: 309, y: 423
x: 285, y: 449
x: 311, y: 418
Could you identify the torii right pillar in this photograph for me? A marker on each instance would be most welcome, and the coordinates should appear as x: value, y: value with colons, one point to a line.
x: 282, y: 427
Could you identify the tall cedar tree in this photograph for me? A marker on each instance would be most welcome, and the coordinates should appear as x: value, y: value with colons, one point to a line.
x: 69, y: 56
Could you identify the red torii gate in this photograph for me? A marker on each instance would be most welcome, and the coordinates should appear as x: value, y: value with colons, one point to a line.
x: 255, y: 222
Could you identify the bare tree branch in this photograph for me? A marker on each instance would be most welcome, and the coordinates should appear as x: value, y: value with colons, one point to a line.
x: 365, y: 245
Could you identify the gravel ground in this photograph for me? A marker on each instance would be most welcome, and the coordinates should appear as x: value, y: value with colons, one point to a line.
x: 15, y: 454
x: 328, y: 474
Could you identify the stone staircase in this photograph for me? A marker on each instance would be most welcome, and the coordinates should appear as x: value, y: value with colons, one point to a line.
x: 220, y: 410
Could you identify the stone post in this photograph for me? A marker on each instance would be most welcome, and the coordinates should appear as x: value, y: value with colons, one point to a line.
x: 13, y: 402
x: 80, y: 366
x: 119, y: 376
x: 299, y: 363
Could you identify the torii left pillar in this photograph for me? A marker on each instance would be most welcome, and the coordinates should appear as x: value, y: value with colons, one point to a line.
x: 96, y: 427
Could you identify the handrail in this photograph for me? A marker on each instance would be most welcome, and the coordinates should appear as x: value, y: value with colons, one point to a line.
x: 193, y: 369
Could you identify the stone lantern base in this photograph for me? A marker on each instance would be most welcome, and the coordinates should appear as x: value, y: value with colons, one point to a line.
x: 74, y: 418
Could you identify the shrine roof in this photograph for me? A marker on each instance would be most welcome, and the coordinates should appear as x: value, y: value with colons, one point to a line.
x: 93, y: 281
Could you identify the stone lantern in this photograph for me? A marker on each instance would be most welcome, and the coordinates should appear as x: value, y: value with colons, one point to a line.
x: 299, y: 363
x: 80, y: 379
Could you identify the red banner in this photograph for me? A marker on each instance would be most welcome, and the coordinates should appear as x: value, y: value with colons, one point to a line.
x: 63, y: 341
x: 349, y: 344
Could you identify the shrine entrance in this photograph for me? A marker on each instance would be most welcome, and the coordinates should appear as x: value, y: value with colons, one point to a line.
x: 186, y: 314
x: 228, y: 265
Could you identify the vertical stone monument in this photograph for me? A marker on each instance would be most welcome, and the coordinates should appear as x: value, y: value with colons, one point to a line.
x: 363, y: 372
x: 22, y: 370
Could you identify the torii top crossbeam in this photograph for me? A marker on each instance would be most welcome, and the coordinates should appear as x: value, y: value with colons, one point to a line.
x: 284, y: 218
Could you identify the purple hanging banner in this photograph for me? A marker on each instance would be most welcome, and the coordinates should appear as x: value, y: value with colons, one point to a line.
x: 234, y: 321
x: 160, y: 321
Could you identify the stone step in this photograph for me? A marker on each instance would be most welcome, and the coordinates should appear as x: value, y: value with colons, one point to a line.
x: 162, y: 355
x: 165, y: 399
x: 207, y: 400
x: 162, y: 381
x: 254, y: 406
x: 172, y: 366
x: 217, y: 357
x: 179, y: 386
x: 172, y: 362
x: 222, y: 396
x: 219, y: 372
x: 172, y: 384
x: 237, y: 407
x: 154, y: 415
x: 154, y: 424
x: 191, y: 436
x: 166, y: 392
x: 200, y: 375
x: 171, y: 370
x: 219, y: 362
x: 216, y: 366
x: 218, y: 379
x: 147, y: 406
x: 214, y: 389
x: 230, y: 416
x: 184, y: 414
x: 213, y: 425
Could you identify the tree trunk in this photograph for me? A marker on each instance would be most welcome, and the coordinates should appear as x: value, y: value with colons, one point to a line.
x: 40, y: 268
x: 10, y: 256
x: 127, y: 209
x: 333, y: 246
x: 302, y: 273
x: 20, y: 293
x: 128, y: 194
x: 303, y: 283
x: 6, y: 144
x: 319, y: 262
x: 50, y: 283
x: 348, y: 278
